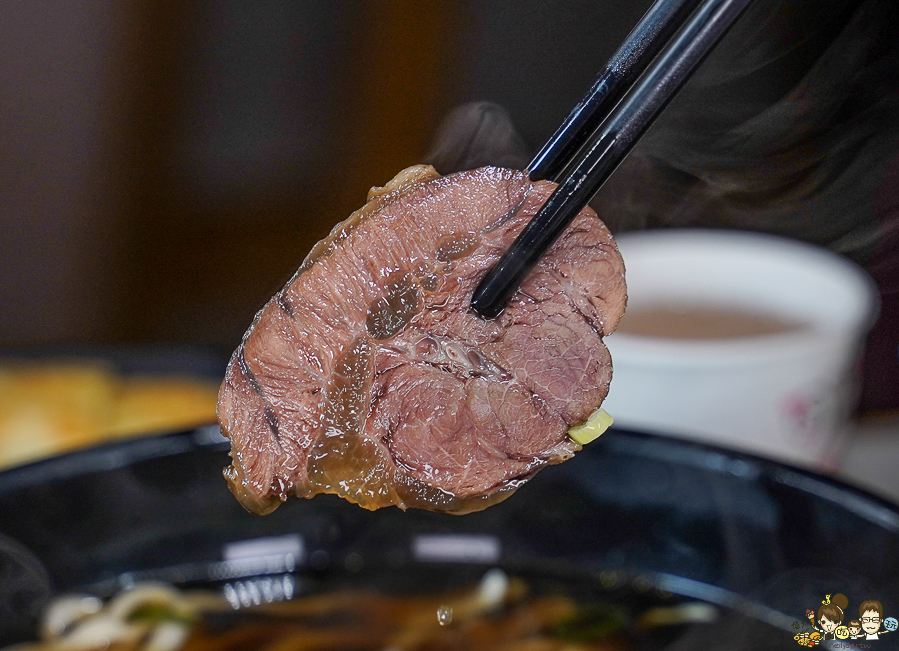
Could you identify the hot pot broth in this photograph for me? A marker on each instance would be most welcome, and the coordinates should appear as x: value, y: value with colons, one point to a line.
x: 500, y: 611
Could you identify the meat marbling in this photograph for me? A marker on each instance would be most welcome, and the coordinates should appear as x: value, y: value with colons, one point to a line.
x: 369, y: 376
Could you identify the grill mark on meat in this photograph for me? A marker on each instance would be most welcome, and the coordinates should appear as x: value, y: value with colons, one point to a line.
x: 272, y: 419
x: 245, y: 369
x: 510, y: 214
x: 570, y: 289
x: 285, y: 306
x: 566, y: 290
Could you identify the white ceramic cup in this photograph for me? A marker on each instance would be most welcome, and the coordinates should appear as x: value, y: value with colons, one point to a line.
x: 786, y: 396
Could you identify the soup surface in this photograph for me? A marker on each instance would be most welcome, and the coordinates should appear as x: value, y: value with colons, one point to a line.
x: 702, y: 322
x: 499, y: 612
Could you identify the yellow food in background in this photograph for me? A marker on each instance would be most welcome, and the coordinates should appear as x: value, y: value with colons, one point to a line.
x: 150, y: 404
x: 51, y: 407
x: 48, y: 408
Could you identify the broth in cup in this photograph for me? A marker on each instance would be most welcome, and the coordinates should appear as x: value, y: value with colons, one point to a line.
x: 739, y: 339
x: 703, y: 322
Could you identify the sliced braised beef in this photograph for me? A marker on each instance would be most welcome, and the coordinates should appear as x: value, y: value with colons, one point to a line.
x: 368, y: 375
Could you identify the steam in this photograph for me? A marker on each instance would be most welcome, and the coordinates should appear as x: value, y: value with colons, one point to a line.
x: 808, y: 165
x: 790, y: 128
x: 474, y: 135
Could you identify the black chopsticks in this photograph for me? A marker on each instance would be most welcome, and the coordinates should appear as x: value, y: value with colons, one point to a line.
x: 623, y: 69
x: 587, y: 166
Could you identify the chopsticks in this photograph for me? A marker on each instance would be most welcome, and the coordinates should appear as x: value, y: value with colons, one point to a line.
x: 626, y: 65
x: 586, y: 167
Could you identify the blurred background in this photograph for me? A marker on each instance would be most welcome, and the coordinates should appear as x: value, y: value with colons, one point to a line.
x: 166, y: 165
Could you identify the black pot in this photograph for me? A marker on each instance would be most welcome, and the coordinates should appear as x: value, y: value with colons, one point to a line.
x: 762, y: 540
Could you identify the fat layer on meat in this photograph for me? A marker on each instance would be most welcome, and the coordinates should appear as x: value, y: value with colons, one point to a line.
x: 369, y: 376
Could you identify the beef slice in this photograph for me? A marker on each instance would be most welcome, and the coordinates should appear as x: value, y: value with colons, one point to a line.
x: 370, y: 377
